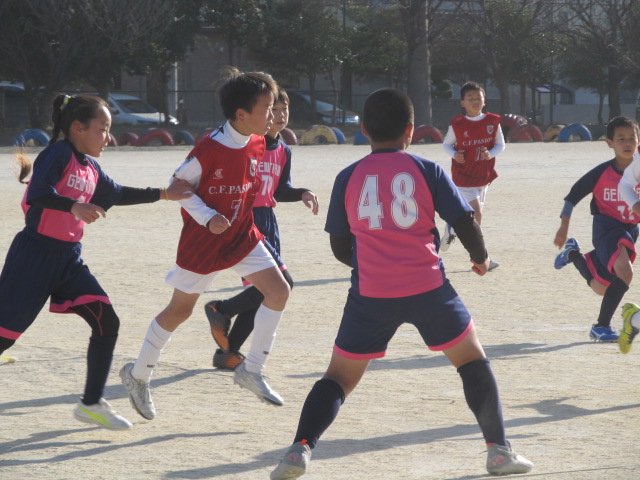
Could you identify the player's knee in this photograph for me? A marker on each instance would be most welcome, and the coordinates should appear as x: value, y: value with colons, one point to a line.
x: 109, y: 324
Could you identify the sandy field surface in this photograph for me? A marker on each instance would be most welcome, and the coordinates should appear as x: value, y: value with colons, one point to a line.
x: 570, y: 405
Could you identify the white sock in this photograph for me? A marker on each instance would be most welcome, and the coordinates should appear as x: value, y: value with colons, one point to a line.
x: 154, y: 342
x: 635, y: 320
x: 264, y: 335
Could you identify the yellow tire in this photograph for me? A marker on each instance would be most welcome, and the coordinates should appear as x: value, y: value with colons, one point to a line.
x: 317, y: 135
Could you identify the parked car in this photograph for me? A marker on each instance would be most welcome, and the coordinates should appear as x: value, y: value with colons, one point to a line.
x: 300, y: 111
x: 134, y: 110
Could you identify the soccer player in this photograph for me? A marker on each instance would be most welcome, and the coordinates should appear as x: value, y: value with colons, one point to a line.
x: 473, y: 141
x: 390, y: 198
x: 275, y: 172
x: 608, y: 268
x: 67, y: 190
x: 218, y: 234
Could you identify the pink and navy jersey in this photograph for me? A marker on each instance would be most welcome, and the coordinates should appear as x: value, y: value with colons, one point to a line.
x: 275, y: 173
x: 471, y: 137
x: 387, y: 203
x: 602, y: 181
x: 229, y: 184
x: 61, y: 170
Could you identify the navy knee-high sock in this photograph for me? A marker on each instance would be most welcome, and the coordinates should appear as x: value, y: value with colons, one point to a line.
x: 612, y: 298
x: 319, y: 411
x: 99, y: 356
x: 580, y: 263
x: 481, y: 392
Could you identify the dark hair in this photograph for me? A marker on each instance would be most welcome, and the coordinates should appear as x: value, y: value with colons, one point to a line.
x: 386, y: 114
x: 282, y: 96
x: 242, y: 89
x: 470, y: 86
x: 621, y: 121
x: 67, y: 109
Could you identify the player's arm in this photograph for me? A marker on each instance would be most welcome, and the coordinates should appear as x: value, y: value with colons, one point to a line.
x: 342, y: 248
x: 471, y: 237
x: 499, y: 145
x: 191, y: 172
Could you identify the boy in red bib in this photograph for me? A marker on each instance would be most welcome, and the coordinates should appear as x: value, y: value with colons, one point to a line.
x: 473, y: 141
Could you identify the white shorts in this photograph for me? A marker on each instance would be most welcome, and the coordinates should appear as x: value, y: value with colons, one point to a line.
x: 189, y: 282
x: 473, y: 193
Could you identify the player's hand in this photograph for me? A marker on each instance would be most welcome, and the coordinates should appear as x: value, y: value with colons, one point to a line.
x: 218, y: 224
x: 480, y: 268
x: 484, y: 154
x: 561, y: 237
x: 459, y: 156
x: 179, y: 189
x: 87, y: 212
x: 311, y: 201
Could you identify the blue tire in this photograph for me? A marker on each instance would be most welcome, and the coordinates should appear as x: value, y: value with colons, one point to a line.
x: 360, y: 139
x: 182, y: 137
x: 39, y: 137
x: 339, y: 135
x: 574, y: 129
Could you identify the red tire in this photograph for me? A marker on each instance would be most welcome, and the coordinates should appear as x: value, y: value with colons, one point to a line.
x: 427, y: 131
x: 511, y: 121
x: 525, y: 133
x: 128, y: 138
x: 112, y: 141
x: 289, y: 136
x: 155, y: 134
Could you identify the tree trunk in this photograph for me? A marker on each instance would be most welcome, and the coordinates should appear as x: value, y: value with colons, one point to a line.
x: 157, y: 92
x: 614, y: 91
x: 419, y: 74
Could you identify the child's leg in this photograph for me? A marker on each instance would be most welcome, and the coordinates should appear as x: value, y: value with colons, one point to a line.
x: 104, y: 324
x: 5, y: 344
x: 244, y: 323
x: 617, y: 289
x: 480, y: 387
x: 327, y: 396
x: 477, y: 208
x: 275, y: 289
x: 159, y: 332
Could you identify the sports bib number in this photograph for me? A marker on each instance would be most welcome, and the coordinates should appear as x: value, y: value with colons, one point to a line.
x: 404, y: 208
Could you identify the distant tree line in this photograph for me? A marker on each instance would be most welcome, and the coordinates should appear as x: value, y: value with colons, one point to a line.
x: 421, y: 46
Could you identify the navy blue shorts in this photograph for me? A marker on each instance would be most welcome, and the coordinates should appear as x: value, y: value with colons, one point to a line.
x: 368, y: 324
x: 38, y: 267
x: 608, y: 236
x: 265, y: 220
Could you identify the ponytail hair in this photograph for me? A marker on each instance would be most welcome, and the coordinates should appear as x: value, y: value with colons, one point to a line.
x: 67, y: 109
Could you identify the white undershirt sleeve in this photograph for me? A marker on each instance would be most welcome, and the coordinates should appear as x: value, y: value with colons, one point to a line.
x: 499, y: 145
x: 191, y: 171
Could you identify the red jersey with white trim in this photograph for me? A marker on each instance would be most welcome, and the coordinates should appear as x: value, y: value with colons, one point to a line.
x: 471, y: 137
x: 229, y: 184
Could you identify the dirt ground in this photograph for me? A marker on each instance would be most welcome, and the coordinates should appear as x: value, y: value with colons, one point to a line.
x: 570, y: 405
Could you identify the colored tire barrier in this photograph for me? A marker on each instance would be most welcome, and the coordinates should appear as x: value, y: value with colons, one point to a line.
x: 289, y: 136
x: 182, y: 137
x: 155, y: 134
x: 339, y: 135
x: 510, y: 121
x: 598, y: 132
x: 573, y: 130
x: 360, y: 138
x: 203, y: 134
x: 128, y: 138
x: 318, y: 135
x: 33, y: 135
x: 426, y: 131
x: 552, y: 132
x: 525, y: 133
